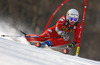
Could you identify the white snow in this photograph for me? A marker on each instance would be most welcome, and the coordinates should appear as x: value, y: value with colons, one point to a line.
x: 13, y: 52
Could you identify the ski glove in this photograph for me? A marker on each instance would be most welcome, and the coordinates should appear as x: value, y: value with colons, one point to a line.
x: 65, y: 36
x: 72, y: 45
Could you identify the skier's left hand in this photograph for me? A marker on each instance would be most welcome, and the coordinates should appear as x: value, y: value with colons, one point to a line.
x: 72, y: 45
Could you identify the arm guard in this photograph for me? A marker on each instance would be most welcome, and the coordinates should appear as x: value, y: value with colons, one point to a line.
x: 58, y: 31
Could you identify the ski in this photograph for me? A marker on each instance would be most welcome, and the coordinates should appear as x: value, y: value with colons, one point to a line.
x: 63, y: 50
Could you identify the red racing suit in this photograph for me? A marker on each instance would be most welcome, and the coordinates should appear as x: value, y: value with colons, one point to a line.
x: 62, y: 25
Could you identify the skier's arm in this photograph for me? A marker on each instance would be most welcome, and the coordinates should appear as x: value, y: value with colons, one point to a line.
x: 77, y: 33
x: 77, y: 37
x: 59, y: 25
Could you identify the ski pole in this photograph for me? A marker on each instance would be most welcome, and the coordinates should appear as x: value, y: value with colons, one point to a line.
x: 9, y: 36
x: 42, y: 37
x: 14, y: 36
x: 55, y: 13
x: 28, y: 37
x: 78, y: 47
x: 36, y: 36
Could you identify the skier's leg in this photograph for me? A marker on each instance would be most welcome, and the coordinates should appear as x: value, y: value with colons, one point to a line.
x: 35, y: 37
x: 58, y: 42
x: 45, y: 43
x: 48, y: 33
x: 52, y: 42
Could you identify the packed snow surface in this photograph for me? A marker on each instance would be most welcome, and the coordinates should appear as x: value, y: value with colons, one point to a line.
x: 13, y: 52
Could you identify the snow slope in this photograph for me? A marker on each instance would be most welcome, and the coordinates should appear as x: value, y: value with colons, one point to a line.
x: 14, y: 53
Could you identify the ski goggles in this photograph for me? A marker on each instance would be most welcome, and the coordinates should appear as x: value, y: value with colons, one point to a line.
x: 73, y: 19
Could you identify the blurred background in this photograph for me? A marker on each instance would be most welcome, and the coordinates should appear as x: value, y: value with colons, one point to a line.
x: 32, y: 16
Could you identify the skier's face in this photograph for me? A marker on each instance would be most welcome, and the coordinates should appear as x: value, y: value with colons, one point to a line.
x: 72, y: 22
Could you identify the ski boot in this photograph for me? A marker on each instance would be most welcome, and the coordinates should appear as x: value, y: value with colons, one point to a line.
x: 44, y: 44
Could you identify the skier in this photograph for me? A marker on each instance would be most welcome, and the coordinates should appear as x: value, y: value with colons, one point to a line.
x: 65, y: 25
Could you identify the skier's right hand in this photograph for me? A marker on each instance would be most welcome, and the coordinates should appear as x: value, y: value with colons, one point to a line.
x: 65, y: 36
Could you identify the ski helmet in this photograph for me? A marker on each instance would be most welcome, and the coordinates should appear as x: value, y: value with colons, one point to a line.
x: 72, y: 13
